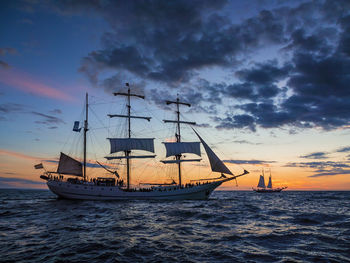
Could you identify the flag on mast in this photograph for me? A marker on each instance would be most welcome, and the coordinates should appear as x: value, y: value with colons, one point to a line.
x: 76, y: 126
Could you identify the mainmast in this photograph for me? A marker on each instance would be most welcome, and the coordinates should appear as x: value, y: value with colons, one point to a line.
x: 178, y: 133
x: 126, y: 145
x: 269, y: 185
x: 85, y: 131
x: 127, y: 153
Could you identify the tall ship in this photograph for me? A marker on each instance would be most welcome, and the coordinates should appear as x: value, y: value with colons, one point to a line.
x: 71, y: 180
x: 262, y: 188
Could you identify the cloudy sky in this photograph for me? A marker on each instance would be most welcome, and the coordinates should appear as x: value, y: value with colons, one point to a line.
x: 268, y: 80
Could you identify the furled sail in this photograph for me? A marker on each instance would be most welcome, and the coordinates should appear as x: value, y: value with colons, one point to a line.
x: 269, y: 185
x: 180, y: 161
x: 261, y: 183
x: 129, y: 157
x: 68, y: 165
x: 128, y: 144
x: 215, y: 163
x: 176, y: 148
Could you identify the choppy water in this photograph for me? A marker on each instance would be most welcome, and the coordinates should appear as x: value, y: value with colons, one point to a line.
x: 230, y: 227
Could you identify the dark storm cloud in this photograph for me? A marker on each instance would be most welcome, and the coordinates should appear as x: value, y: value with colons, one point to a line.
x: 318, y: 75
x: 321, y: 91
x: 330, y: 173
x: 158, y: 97
x: 188, y: 95
x: 211, y: 92
x: 170, y: 42
x: 321, y: 96
x: 319, y: 165
x: 344, y: 149
x: 315, y: 155
x: 167, y: 49
x: 236, y: 121
x: 258, y: 81
x: 264, y: 73
x: 209, y: 109
x: 241, y: 91
x: 264, y: 114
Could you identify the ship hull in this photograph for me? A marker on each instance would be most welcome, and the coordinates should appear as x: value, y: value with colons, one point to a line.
x: 262, y: 190
x: 94, y: 192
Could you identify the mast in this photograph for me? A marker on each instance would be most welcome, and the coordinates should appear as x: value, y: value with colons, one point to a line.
x: 131, y: 143
x: 178, y: 138
x: 85, y: 131
x: 127, y: 153
x: 178, y: 132
x: 269, y: 185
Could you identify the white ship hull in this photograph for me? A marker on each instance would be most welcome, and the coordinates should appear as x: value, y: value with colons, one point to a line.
x: 94, y: 192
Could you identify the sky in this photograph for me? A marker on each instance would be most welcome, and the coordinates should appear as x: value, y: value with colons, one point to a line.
x: 268, y: 83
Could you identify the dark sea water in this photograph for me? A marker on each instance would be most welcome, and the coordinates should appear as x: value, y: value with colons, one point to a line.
x: 229, y: 227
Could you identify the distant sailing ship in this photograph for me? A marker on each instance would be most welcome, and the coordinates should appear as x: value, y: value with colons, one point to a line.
x: 71, y: 180
x: 261, y: 188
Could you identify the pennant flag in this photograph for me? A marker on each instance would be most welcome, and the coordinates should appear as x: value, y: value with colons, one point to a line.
x: 39, y: 166
x: 76, y: 126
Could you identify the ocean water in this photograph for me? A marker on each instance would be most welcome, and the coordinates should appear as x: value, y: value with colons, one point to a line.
x: 234, y: 226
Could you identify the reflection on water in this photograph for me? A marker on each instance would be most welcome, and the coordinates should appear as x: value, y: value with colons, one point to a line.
x: 230, y: 227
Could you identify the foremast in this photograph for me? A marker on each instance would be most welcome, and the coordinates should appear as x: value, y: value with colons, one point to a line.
x: 126, y: 145
x: 178, y: 148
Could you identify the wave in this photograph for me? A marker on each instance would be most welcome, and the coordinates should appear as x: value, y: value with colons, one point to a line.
x: 230, y: 227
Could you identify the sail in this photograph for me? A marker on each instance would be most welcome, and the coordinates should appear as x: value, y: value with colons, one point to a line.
x: 261, y: 182
x: 180, y: 161
x: 176, y: 148
x: 215, y: 163
x: 68, y: 165
x: 128, y: 144
x: 129, y: 157
x: 269, y: 185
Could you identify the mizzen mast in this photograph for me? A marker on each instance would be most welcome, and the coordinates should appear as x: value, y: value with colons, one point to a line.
x: 85, y: 131
x: 192, y: 147
x: 269, y: 185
